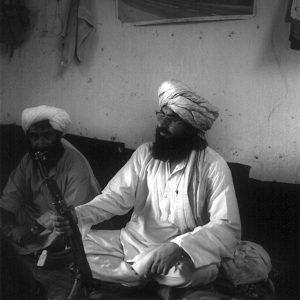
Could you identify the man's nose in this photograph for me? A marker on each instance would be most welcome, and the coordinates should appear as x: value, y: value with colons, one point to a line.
x: 162, y: 123
x: 40, y: 142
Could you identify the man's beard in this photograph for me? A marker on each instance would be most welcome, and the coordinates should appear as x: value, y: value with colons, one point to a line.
x: 177, y: 147
x: 52, y: 153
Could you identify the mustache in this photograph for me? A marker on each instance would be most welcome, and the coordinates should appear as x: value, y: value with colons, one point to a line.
x: 42, y: 149
x: 52, y: 152
x: 162, y: 130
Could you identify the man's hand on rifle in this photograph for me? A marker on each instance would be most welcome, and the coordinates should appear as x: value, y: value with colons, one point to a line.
x: 61, y: 225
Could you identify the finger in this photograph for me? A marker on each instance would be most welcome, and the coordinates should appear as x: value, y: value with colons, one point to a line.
x: 160, y: 268
x: 61, y: 220
x: 154, y: 268
x: 60, y: 224
x: 148, y: 267
x: 62, y: 229
x: 53, y: 217
x: 165, y: 270
x: 67, y: 231
x: 57, y: 218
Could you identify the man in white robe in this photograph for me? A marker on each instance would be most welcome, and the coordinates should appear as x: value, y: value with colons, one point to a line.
x: 185, y: 216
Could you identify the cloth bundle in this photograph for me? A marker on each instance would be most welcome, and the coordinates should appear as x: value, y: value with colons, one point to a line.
x: 250, y: 264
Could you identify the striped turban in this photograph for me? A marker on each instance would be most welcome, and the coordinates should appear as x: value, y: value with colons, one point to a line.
x: 58, y: 118
x: 188, y: 105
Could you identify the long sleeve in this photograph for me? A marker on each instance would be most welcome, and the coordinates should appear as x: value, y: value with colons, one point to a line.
x: 78, y: 187
x: 14, y: 191
x: 117, y: 198
x: 207, y: 244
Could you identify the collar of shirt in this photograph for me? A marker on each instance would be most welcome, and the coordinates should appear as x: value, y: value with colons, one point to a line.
x: 180, y: 166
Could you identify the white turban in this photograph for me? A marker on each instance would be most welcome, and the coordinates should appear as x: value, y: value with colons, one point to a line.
x: 58, y: 118
x: 188, y: 105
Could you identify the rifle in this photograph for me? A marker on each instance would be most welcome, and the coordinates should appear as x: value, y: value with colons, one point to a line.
x: 80, y: 266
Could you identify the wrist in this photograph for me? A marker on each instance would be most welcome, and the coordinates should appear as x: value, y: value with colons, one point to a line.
x: 179, y: 251
x: 36, y: 228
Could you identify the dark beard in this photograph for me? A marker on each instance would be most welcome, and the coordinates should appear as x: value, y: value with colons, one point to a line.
x: 52, y: 153
x: 176, y: 148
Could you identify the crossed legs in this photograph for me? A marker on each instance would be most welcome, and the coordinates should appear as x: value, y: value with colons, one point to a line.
x: 106, y: 258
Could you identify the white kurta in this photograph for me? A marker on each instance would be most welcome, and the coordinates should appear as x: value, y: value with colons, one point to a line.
x: 147, y: 185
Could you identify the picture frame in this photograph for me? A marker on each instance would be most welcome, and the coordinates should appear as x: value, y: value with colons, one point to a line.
x: 152, y: 12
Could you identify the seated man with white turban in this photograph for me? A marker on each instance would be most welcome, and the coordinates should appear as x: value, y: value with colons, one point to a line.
x: 26, y: 205
x: 185, y: 216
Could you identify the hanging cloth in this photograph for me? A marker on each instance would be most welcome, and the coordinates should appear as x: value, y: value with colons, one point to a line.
x: 293, y: 16
x: 77, y: 32
x: 14, y: 24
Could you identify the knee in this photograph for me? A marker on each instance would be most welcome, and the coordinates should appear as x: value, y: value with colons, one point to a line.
x: 204, y: 275
x: 199, y: 276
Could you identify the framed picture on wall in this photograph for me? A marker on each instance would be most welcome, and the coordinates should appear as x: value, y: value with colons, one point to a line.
x: 147, y: 12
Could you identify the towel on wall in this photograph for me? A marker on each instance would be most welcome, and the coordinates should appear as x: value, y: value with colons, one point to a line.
x: 293, y: 16
x: 78, y: 29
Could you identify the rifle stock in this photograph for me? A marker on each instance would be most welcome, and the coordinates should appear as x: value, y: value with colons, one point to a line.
x: 83, y: 274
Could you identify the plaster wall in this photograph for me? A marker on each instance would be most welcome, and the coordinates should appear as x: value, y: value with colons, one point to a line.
x: 244, y: 67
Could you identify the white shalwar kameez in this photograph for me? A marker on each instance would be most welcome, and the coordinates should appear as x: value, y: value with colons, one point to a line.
x: 194, y: 206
